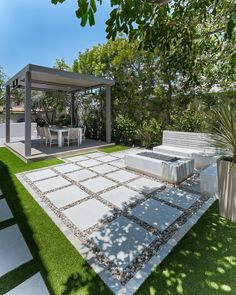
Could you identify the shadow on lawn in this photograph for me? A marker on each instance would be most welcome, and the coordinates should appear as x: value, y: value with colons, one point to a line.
x: 85, y: 283
x: 20, y: 201
x: 25, y: 271
x: 204, y: 262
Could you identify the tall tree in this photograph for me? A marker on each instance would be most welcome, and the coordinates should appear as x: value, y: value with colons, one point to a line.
x: 2, y: 79
x: 151, y: 89
x: 147, y: 83
x: 61, y: 65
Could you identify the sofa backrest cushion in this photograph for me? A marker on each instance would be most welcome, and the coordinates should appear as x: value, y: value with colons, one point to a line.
x: 198, y: 141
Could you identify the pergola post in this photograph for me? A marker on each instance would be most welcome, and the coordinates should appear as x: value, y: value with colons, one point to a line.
x: 108, y: 114
x: 27, y: 114
x: 72, y: 109
x: 8, y: 113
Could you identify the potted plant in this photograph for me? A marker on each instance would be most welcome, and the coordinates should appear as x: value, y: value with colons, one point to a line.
x: 224, y: 137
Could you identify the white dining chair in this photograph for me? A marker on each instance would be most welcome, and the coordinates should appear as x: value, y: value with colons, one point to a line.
x: 72, y: 136
x: 40, y: 133
x: 50, y: 137
x: 83, y: 133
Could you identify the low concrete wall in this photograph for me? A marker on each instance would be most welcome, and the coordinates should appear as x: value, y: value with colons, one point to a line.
x: 17, y: 130
x: 172, y: 172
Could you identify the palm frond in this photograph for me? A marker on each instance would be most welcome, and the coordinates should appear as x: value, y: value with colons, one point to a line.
x: 224, y: 130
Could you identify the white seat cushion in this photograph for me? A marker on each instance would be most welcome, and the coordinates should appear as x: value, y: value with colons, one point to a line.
x: 201, y: 159
x: 185, y: 152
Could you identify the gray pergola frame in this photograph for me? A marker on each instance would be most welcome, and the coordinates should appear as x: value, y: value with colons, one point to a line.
x: 53, y: 79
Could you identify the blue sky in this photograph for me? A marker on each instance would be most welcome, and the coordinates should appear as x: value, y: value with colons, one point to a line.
x: 38, y: 32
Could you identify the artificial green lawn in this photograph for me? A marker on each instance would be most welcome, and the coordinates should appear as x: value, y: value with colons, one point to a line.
x: 114, y: 148
x: 204, y: 262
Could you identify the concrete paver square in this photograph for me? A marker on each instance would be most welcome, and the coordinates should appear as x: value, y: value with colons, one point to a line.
x: 89, y: 163
x: 192, y: 183
x: 5, y: 212
x: 106, y: 159
x: 66, y: 196
x: 119, y: 155
x: 77, y: 158
x: 118, y: 163
x: 41, y: 174
x: 98, y: 184
x: 67, y: 168
x: 32, y: 286
x: 122, y: 176
x: 121, y: 241
x: 121, y: 196
x: 104, y: 168
x: 51, y: 184
x: 87, y: 214
x: 80, y: 175
x: 145, y: 185
x: 95, y: 155
x: 178, y: 197
x: 13, y: 251
x: 156, y: 214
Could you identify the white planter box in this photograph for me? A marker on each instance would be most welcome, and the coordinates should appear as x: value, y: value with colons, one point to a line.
x: 227, y: 189
x: 209, y: 181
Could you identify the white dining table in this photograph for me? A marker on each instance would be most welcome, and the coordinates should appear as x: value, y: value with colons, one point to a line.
x: 61, y: 131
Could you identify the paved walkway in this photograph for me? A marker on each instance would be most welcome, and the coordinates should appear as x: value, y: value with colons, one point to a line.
x: 122, y: 222
x: 14, y: 253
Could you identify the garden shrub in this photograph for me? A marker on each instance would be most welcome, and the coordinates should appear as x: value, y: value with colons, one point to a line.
x: 95, y: 125
x: 124, y: 129
x: 151, y: 133
x: 64, y: 120
x: 189, y: 120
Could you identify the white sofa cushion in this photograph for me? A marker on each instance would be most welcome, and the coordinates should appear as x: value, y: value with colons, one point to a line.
x: 201, y: 159
x: 180, y: 151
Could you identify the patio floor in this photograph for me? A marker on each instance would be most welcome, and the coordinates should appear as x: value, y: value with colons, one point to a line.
x: 122, y: 222
x: 39, y: 151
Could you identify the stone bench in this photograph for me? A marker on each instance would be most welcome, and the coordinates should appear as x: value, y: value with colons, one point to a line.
x: 173, y: 171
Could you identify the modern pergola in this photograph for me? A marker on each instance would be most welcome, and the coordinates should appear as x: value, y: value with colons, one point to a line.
x: 34, y: 77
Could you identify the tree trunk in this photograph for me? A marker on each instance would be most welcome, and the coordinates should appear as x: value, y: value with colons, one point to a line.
x: 169, y: 99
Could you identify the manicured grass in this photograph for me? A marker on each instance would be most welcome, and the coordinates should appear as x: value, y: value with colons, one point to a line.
x: 204, y: 262
x: 114, y: 148
x: 61, y: 265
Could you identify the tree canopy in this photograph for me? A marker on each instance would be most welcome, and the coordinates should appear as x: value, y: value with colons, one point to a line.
x: 186, y: 33
x: 155, y: 22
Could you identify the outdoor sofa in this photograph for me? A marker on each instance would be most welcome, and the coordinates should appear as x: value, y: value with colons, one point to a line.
x: 196, y: 146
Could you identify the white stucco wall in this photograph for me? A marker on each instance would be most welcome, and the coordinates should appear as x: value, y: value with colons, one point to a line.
x: 17, y: 130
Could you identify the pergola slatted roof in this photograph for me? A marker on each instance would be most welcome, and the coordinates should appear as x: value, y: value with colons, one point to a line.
x: 44, y: 78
